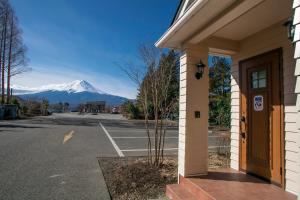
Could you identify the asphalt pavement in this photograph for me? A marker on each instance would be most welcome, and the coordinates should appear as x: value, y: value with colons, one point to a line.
x: 55, y: 157
x: 36, y: 163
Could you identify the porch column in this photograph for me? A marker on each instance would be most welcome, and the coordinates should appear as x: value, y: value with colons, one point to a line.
x: 193, y: 122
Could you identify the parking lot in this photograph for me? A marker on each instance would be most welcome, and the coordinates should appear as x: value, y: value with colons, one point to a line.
x: 129, y: 138
x: 55, y: 157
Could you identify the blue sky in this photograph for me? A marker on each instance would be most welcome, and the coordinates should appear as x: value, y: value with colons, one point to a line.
x: 83, y: 39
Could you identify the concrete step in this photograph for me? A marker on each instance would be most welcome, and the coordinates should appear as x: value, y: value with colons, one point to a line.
x: 178, y: 192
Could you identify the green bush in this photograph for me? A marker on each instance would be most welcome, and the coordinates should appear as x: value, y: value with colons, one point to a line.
x: 131, y: 110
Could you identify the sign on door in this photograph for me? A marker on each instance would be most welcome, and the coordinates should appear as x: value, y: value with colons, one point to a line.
x: 258, y: 103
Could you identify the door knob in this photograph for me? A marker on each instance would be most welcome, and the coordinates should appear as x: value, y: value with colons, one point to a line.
x: 243, y: 134
x: 243, y: 119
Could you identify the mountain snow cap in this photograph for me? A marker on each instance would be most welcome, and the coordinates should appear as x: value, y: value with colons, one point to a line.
x: 72, y: 87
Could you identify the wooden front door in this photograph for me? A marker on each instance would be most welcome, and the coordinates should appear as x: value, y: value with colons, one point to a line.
x: 261, y: 116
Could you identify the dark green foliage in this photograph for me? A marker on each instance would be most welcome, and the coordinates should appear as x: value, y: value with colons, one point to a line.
x: 219, y: 92
x: 15, y: 101
x: 131, y: 110
x: 171, y: 61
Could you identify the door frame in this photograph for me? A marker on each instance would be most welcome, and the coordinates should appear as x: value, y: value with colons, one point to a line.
x: 282, y: 134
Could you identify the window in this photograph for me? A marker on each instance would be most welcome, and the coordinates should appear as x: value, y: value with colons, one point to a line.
x: 259, y: 79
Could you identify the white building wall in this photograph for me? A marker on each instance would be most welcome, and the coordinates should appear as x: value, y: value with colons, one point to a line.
x: 235, y: 116
x: 296, y: 22
x: 264, y: 41
x: 182, y: 115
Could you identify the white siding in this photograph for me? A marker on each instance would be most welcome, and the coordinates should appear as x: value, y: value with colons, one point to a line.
x: 182, y: 115
x: 264, y: 41
x: 235, y: 98
x: 295, y: 129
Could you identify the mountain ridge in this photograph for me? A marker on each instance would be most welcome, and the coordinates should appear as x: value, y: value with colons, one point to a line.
x: 75, y: 92
x: 74, y: 86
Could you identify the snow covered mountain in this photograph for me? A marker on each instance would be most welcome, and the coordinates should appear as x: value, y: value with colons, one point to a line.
x: 75, y: 92
x: 72, y: 87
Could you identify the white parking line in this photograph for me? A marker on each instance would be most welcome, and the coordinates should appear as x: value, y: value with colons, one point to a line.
x: 169, y: 149
x: 140, y: 137
x: 129, y: 150
x: 132, y: 137
x: 112, y: 141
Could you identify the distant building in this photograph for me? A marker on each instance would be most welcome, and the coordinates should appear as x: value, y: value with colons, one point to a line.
x: 94, y: 107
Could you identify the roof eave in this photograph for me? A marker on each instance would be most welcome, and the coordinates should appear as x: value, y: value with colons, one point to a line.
x: 163, y: 41
x: 177, y: 12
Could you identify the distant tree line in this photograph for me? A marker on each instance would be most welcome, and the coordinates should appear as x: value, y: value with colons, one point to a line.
x: 34, y: 107
x: 60, y: 107
x: 31, y: 107
x: 13, y: 59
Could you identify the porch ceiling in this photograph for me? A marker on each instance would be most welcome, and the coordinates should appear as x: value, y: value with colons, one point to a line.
x: 201, y: 13
x: 260, y: 17
x: 228, y: 19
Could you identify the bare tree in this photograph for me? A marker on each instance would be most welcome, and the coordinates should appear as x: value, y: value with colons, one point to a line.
x: 154, y: 81
x: 12, y: 50
x: 12, y: 28
x: 3, y: 45
x: 138, y: 75
x: 166, y: 97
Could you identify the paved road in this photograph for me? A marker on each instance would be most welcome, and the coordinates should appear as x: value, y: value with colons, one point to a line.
x: 55, y: 157
x: 36, y: 165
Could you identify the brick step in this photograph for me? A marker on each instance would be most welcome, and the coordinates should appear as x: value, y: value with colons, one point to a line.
x: 178, y: 192
x: 195, y: 189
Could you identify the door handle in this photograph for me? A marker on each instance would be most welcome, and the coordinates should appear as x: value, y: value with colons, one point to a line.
x: 243, y: 135
x: 243, y: 127
x: 243, y: 119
